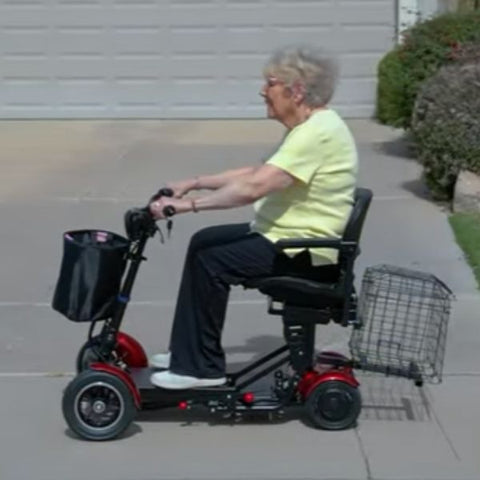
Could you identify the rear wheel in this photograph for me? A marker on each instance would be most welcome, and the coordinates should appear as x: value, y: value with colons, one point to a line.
x: 334, y: 405
x: 98, y: 405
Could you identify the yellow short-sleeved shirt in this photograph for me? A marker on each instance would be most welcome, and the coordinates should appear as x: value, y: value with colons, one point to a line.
x: 321, y: 154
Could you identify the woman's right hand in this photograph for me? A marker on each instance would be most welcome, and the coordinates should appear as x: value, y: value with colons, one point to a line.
x: 182, y: 187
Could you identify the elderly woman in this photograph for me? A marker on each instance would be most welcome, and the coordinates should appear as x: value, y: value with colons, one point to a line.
x: 304, y: 190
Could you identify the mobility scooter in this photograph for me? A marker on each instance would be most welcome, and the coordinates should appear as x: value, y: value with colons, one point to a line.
x: 113, y: 375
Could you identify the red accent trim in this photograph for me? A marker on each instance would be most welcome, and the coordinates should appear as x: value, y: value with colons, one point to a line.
x: 122, y: 375
x: 130, y: 351
x: 248, y: 397
x: 311, y: 380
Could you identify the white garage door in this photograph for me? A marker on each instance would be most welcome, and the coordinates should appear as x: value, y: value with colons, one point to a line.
x: 177, y: 58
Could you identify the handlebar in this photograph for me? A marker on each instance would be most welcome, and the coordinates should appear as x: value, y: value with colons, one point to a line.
x: 140, y: 220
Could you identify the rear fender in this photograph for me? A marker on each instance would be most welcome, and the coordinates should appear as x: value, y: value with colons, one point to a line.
x: 311, y: 379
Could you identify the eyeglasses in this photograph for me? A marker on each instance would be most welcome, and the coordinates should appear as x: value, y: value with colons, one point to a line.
x: 271, y: 81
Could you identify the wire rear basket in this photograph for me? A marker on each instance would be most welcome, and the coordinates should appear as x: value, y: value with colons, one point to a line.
x: 404, y: 315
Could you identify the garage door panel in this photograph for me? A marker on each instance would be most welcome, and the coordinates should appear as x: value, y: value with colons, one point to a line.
x: 145, y: 43
x: 78, y: 92
x: 24, y: 41
x: 138, y: 3
x: 321, y: 14
x: 78, y: 66
x: 15, y: 17
x: 16, y: 66
x: 365, y: 39
x: 138, y: 17
x: 176, y: 58
x: 72, y: 67
x: 25, y: 92
x: 243, y: 69
x: 197, y: 91
x: 87, y: 41
x: 359, y: 65
x: 285, y: 35
x: 24, y: 3
x: 247, y: 43
x: 128, y: 67
x: 193, y: 39
x: 191, y: 67
x: 196, y: 15
x: 136, y: 91
x: 243, y: 38
x: 248, y: 91
x: 367, y: 13
x: 356, y: 90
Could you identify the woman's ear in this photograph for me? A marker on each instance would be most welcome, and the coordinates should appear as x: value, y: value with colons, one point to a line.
x: 298, y: 90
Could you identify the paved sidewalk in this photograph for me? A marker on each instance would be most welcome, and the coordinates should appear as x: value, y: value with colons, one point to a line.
x: 56, y: 176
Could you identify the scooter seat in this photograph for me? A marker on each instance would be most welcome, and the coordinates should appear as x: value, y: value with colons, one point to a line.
x: 299, y: 291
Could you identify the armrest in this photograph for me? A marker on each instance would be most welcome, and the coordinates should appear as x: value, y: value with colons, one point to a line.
x: 336, y: 243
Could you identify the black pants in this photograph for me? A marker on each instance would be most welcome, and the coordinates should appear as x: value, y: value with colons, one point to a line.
x: 217, y: 258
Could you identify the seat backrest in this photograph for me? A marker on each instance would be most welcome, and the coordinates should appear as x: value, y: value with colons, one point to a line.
x: 353, y: 230
x: 362, y: 199
x: 361, y: 202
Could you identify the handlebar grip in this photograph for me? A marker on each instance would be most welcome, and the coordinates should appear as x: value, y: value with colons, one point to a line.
x: 163, y: 192
x: 169, y: 211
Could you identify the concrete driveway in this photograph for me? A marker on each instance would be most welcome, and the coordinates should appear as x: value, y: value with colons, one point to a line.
x: 57, y: 176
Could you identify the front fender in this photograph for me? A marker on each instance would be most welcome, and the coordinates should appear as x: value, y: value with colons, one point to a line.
x: 130, y: 351
x: 122, y: 375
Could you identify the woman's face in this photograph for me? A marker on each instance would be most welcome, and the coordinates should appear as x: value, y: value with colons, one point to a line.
x: 278, y: 99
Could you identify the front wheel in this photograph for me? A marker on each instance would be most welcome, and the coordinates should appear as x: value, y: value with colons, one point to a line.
x: 98, y: 405
x: 334, y: 405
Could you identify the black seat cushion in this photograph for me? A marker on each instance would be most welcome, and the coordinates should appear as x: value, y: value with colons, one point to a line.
x: 299, y: 291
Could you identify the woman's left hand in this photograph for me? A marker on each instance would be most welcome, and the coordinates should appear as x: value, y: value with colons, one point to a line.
x: 181, y: 205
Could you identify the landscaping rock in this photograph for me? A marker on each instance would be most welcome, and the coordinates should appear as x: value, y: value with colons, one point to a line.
x: 467, y: 192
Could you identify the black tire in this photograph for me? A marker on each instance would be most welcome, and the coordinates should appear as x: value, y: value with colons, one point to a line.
x: 90, y: 353
x: 334, y: 405
x: 98, y: 405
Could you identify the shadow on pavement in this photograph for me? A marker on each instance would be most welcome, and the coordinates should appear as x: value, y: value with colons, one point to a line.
x: 131, y: 431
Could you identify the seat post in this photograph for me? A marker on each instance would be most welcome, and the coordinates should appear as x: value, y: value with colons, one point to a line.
x: 299, y: 333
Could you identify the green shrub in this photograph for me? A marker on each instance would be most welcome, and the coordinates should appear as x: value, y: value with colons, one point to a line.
x: 426, y: 47
x: 446, y: 127
x: 391, y: 85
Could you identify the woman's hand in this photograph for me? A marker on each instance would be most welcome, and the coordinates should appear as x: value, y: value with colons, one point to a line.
x: 182, y: 187
x: 181, y: 205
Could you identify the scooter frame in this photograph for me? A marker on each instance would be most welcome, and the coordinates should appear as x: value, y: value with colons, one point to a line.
x: 113, y: 380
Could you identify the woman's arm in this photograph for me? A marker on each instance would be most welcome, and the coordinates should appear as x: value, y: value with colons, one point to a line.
x: 246, y: 189
x: 241, y: 190
x: 214, y: 182
x: 208, y: 182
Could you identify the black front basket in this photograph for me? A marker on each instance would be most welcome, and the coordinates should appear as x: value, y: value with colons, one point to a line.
x: 91, y: 272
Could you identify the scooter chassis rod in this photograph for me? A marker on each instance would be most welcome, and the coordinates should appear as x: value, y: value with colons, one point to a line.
x: 249, y: 368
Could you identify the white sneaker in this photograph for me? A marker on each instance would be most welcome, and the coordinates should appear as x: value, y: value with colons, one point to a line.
x: 172, y: 381
x: 160, y: 360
